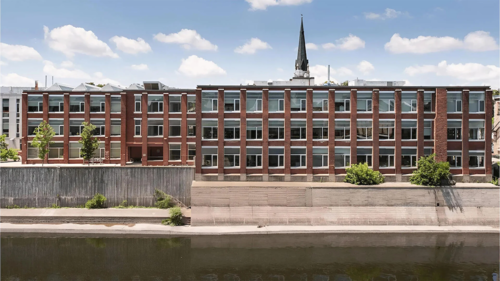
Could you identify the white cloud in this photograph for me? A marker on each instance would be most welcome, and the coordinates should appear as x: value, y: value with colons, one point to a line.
x: 141, y: 66
x: 130, y: 46
x: 349, y: 43
x: 99, y: 78
x: 320, y: 73
x: 189, y: 39
x: 3, y: 63
x: 67, y: 64
x: 263, y: 4
x: 18, y: 52
x: 475, y: 41
x: 311, y: 46
x: 365, y: 67
x: 252, y: 46
x: 51, y: 69
x: 16, y: 80
x: 388, y: 14
x: 72, y: 40
x: 195, y: 66
x: 464, y: 73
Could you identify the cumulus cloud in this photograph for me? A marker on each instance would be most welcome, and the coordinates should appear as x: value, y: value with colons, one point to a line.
x: 67, y: 64
x: 51, y: 69
x: 72, y: 40
x: 18, y: 52
x: 477, y: 41
x: 252, y: 46
x: 387, y: 14
x: 141, y: 66
x: 463, y: 72
x: 365, y: 67
x: 195, y: 66
x: 311, y: 46
x: 188, y: 39
x: 349, y: 43
x: 263, y: 4
x: 3, y: 63
x: 16, y: 80
x: 320, y: 73
x: 130, y: 46
x: 99, y: 78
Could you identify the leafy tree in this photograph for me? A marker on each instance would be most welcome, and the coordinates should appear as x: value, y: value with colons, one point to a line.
x: 360, y: 174
x: 345, y: 83
x: 89, y: 143
x: 496, y: 92
x: 430, y: 172
x: 10, y: 153
x: 43, y: 138
x: 3, y: 144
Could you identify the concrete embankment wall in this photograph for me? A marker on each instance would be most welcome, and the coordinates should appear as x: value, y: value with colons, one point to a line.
x: 73, y: 186
x: 281, y: 205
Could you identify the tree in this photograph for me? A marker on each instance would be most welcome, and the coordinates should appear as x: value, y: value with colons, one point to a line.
x: 360, y: 174
x: 89, y: 143
x: 3, y: 144
x: 430, y: 172
x: 43, y: 138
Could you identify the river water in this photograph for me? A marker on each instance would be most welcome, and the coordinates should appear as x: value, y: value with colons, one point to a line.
x: 335, y: 257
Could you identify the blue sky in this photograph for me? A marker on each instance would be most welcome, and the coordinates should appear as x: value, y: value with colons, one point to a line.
x: 188, y: 43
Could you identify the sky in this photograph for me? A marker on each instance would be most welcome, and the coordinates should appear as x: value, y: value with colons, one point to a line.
x: 200, y: 42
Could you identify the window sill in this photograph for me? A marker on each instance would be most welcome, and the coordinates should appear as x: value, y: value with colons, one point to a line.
x: 276, y: 112
x: 35, y: 112
x: 155, y: 112
x: 191, y: 113
x: 408, y: 139
x: 232, y: 111
x: 137, y: 136
x: 76, y: 112
x: 137, y: 111
x: 209, y: 139
x: 231, y: 139
x: 254, y: 111
x: 282, y: 167
x: 175, y: 112
x: 254, y: 167
x: 458, y: 112
x: 386, y: 140
x: 455, y: 168
x: 364, y: 111
x: 298, y: 139
x: 283, y: 140
x: 364, y: 139
x: 155, y: 136
x: 100, y: 112
x: 210, y: 111
x: 324, y: 167
x: 115, y: 112
x: 231, y: 167
x: 174, y: 160
x: 476, y: 140
x: 455, y: 140
x: 320, y: 139
x: 476, y: 168
x: 301, y: 167
x: 174, y: 136
x: 209, y: 167
x: 254, y: 139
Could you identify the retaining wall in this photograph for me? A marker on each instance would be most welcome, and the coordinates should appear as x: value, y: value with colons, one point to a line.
x: 73, y: 186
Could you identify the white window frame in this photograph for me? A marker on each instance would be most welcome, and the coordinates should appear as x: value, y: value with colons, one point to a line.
x: 391, y: 104
x: 484, y: 160
x: 236, y: 104
x: 323, y: 107
x: 390, y: 156
x: 367, y: 102
x: 343, y: 128
x: 160, y: 129
x: 234, y: 160
x: 258, y: 105
x: 102, y: 130
x: 412, y: 157
x: 367, y: 156
x: 170, y: 150
x: 137, y: 126
x: 137, y: 102
x: 322, y: 132
x: 281, y: 105
x: 302, y: 159
x: 281, y: 158
x: 159, y: 103
x: 479, y: 104
x: 189, y: 149
x: 257, y: 156
x: 412, y: 137
x: 345, y: 156
x: 302, y: 105
x: 477, y: 134
x: 455, y: 129
x: 60, y: 151
x: 460, y: 157
x: 256, y: 132
x: 215, y: 105
x: 279, y: 129
x: 212, y: 156
x: 211, y: 129
x: 170, y: 125
x: 324, y: 159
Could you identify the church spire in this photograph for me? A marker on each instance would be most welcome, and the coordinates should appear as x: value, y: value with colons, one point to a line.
x: 302, y: 64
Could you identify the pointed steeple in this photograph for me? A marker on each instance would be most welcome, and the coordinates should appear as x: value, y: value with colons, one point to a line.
x: 302, y: 64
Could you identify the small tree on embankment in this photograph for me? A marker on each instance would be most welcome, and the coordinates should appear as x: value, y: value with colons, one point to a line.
x: 89, y: 143
x: 360, y: 174
x: 430, y: 172
x: 43, y: 138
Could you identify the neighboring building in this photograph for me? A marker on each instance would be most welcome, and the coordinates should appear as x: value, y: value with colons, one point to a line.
x: 271, y: 132
x: 361, y: 82
x: 496, y: 126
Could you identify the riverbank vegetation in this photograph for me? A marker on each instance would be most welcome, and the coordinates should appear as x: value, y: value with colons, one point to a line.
x: 360, y: 174
x: 431, y: 173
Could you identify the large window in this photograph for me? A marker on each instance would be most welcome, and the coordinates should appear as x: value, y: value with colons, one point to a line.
x: 320, y: 129
x: 298, y: 129
x: 342, y: 102
x: 56, y: 103
x: 99, y: 126
x: 386, y: 102
x: 454, y: 158
x: 191, y: 127
x: 476, y: 102
x: 5, y: 127
x: 254, y: 101
x: 74, y: 150
x: 174, y: 152
x: 174, y: 127
x: 231, y: 157
x: 386, y: 157
x: 364, y: 155
x: 454, y: 101
x: 276, y: 129
x: 476, y: 130
x: 298, y: 101
x: 191, y: 103
x: 476, y: 159
x: 32, y: 151
x: 276, y: 102
x: 97, y: 104
x: 427, y: 129
x: 364, y: 102
x: 32, y: 125
x: 408, y: 157
x: 116, y: 104
x: 209, y: 101
x: 232, y: 129
x: 174, y: 103
x: 56, y: 150
x: 35, y: 103
x: 209, y: 155
x: 209, y: 128
x: 364, y: 129
x: 155, y: 104
x: 254, y: 129
x: 5, y: 107
x: 427, y: 102
x: 155, y: 127
x: 75, y: 127
x: 408, y: 102
x: 320, y: 101
x: 115, y: 150
x: 342, y: 129
x: 298, y: 157
x: 137, y: 127
x: 276, y: 157
x: 320, y: 157
x: 409, y: 130
x: 455, y: 130
x: 138, y: 103
x: 57, y: 125
x: 231, y: 101
x: 386, y: 130
x: 116, y: 127
x: 342, y: 157
x: 254, y: 156
x: 191, y: 151
x: 100, y: 151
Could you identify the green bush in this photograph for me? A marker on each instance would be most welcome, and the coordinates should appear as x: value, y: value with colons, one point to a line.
x: 123, y: 204
x: 430, y: 172
x: 495, y: 181
x: 10, y: 153
x: 163, y: 200
x: 175, y: 217
x: 55, y: 206
x: 360, y: 174
x: 97, y: 202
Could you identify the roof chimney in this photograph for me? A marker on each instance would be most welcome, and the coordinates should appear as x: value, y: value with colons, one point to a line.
x: 36, y: 85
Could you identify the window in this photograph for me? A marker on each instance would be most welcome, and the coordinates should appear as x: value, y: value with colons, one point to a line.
x: 32, y: 151
x: 232, y: 101
x: 116, y: 104
x: 428, y: 151
x: 254, y: 101
x: 276, y: 102
x: 56, y: 150
x: 342, y: 157
x: 409, y: 130
x: 18, y: 107
x: 35, y: 103
x: 74, y: 150
x: 364, y: 129
x: 454, y: 130
x: 191, y: 132
x: 454, y: 158
x: 75, y: 127
x: 454, y: 101
x: 57, y: 125
x: 364, y: 102
x: 320, y: 101
x: 408, y: 157
x: 476, y: 159
x: 386, y: 130
x: 115, y: 150
x: 32, y: 125
x: 99, y: 126
x: 476, y: 102
x: 364, y: 155
x: 5, y: 107
x: 209, y: 101
x: 254, y: 156
x: 174, y: 152
x: 276, y: 157
x: 298, y: 129
x: 427, y: 102
x: 476, y: 130
x: 320, y: 157
x: 232, y: 129
x: 17, y: 128
x: 97, y: 104
x: 231, y: 157
x: 138, y: 101
x: 342, y: 129
x: 155, y: 104
x: 174, y: 129
x: 116, y: 127
x: 386, y: 157
x: 320, y: 129
x: 137, y: 127
x: 254, y: 129
x: 427, y: 130
x: 76, y: 104
x: 209, y: 155
x: 297, y: 157
x: 155, y: 127
x: 56, y: 103
x: 408, y: 102
x: 298, y: 101
x: 5, y: 127
x: 191, y: 103
x: 191, y: 151
x: 342, y: 102
x: 386, y: 102
x: 174, y: 103
x: 276, y: 129
x: 209, y: 128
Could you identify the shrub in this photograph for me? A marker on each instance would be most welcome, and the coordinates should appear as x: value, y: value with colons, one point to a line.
x: 430, y: 172
x: 495, y: 181
x: 10, y: 153
x: 123, y: 204
x: 163, y: 200
x: 97, y: 202
x: 175, y: 217
x: 360, y: 174
x: 55, y: 206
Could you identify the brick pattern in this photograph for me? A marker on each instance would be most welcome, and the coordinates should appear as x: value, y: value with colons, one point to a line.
x: 441, y: 126
x: 309, y: 132
x: 354, y: 141
x: 465, y: 132
x: 288, y: 135
x: 220, y: 133
x: 397, y: 133
x: 243, y: 131
x: 331, y: 132
x: 420, y: 124
x: 487, y: 132
x: 375, y: 126
x: 265, y: 132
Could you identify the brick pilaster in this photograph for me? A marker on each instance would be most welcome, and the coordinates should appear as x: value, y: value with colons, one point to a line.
x: 287, y: 135
x: 144, y: 128
x: 397, y: 133
x: 45, y: 107
x: 309, y: 134
x: 487, y: 132
x: 441, y: 125
x: 375, y: 131
x: 66, y: 128
x: 420, y: 123
x: 198, y: 158
x: 184, y: 129
x: 87, y: 107
x: 24, y: 128
x: 107, y: 127
x: 465, y: 132
x: 354, y: 118
x: 331, y: 134
x: 220, y: 133
x: 166, y: 129
x: 265, y: 134
x: 243, y: 134
x: 123, y: 129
